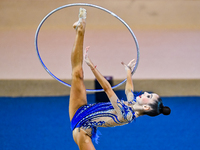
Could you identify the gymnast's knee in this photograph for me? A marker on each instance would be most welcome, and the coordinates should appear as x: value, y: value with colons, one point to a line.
x: 80, y: 137
x: 77, y: 73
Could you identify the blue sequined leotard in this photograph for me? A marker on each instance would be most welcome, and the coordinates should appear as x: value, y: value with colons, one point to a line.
x: 101, y: 115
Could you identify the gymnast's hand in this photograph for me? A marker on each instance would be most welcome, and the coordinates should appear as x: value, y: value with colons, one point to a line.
x: 86, y: 57
x: 130, y: 65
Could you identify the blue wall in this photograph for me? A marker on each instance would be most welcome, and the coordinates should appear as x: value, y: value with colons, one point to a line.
x: 42, y: 123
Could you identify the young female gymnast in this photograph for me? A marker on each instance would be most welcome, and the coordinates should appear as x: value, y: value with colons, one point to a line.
x: 86, y: 118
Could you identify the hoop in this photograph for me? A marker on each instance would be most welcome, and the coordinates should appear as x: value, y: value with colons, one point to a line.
x: 90, y: 5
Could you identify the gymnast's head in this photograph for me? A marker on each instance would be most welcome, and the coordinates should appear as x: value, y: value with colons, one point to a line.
x: 151, y: 105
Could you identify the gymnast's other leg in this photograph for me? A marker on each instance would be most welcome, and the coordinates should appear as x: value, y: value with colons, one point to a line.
x: 78, y: 92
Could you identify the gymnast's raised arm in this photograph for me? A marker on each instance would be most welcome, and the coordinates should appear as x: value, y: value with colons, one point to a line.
x: 103, y: 82
x: 129, y: 88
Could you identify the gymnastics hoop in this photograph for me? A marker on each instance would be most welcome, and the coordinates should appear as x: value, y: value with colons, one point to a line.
x: 90, y: 5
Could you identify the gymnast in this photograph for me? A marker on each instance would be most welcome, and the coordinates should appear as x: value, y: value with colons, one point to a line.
x: 85, y: 118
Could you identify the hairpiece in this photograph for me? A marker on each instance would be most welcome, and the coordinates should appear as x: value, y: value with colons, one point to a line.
x: 160, y: 106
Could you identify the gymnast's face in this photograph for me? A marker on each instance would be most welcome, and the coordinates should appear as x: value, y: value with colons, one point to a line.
x: 147, y: 98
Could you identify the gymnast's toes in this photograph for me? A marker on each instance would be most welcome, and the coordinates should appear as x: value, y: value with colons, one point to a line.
x: 82, y: 13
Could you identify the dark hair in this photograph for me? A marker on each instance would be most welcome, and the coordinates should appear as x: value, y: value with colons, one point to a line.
x: 158, y: 108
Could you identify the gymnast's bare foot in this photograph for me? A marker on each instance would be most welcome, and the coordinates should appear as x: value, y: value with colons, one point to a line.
x: 80, y: 24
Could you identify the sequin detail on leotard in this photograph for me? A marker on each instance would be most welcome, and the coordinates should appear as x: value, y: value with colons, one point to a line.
x: 86, y: 116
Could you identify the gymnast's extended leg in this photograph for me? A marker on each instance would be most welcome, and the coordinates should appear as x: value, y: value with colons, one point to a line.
x: 78, y: 91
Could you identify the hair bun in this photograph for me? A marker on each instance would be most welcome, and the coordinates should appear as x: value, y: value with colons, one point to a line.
x: 166, y: 110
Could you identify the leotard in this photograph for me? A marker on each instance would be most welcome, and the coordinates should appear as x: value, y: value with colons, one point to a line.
x: 101, y: 115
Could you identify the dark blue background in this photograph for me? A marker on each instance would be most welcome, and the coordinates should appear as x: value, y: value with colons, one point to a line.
x: 42, y: 123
